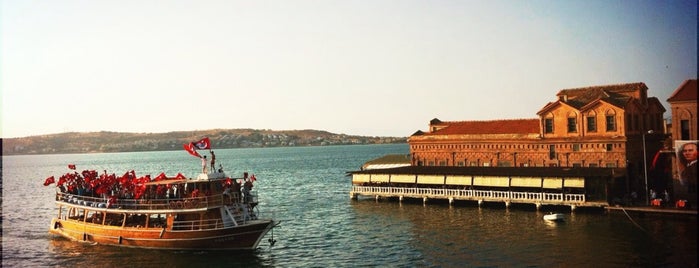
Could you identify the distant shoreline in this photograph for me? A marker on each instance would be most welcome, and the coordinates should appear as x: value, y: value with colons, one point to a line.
x: 113, y: 142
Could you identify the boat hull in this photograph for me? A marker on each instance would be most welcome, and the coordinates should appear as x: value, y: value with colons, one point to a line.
x: 242, y: 237
x: 554, y: 217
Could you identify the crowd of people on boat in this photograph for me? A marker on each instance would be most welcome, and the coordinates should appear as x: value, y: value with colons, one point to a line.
x: 129, y: 186
x: 90, y: 183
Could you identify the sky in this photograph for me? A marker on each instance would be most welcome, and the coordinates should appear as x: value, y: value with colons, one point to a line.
x: 358, y: 67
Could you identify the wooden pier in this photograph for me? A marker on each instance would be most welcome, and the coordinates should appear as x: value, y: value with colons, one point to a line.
x: 481, y: 196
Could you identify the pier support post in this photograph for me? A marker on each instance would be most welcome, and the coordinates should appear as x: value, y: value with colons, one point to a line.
x: 377, y: 197
x: 400, y: 198
x: 451, y: 201
x: 424, y: 200
x: 573, y: 207
x: 480, y: 202
x: 538, y: 206
x: 353, y: 196
x: 507, y: 204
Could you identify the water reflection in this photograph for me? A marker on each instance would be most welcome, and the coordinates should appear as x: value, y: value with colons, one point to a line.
x: 472, y: 236
x: 65, y: 252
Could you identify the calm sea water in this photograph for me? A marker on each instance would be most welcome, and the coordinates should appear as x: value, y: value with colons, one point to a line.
x: 308, y: 190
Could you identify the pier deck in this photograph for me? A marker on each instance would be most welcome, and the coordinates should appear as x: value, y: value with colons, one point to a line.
x: 507, y: 197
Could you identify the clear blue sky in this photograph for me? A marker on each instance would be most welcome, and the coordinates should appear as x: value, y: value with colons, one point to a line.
x: 374, y: 67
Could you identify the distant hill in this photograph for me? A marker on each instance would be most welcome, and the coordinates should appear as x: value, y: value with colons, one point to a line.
x: 103, y: 142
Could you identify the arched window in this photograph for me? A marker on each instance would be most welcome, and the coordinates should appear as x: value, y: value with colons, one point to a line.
x: 591, y: 121
x: 685, y: 118
x: 610, y: 120
x: 572, y: 122
x: 548, y: 123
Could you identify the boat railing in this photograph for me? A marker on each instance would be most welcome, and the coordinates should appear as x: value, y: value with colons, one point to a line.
x: 157, y: 204
x: 469, y: 194
x: 198, y: 224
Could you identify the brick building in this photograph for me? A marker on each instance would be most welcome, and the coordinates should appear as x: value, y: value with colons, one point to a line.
x: 683, y: 104
x: 600, y: 126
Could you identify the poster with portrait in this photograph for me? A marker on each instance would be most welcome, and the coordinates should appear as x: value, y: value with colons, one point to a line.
x: 686, y: 183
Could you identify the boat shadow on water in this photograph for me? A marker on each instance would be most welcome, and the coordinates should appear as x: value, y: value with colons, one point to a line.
x: 64, y: 252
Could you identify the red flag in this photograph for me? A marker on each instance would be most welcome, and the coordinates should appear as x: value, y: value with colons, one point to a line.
x: 252, y: 178
x: 180, y: 176
x: 71, y: 166
x: 203, y: 144
x: 49, y: 181
x: 190, y: 149
x: 161, y: 177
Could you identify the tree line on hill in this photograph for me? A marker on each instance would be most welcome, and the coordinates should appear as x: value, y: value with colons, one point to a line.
x: 105, y: 141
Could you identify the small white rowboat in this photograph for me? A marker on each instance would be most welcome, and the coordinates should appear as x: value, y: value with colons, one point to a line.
x: 554, y: 217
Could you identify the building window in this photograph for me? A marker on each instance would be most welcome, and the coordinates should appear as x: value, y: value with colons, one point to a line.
x: 591, y: 124
x: 572, y: 126
x: 684, y: 130
x: 611, y: 123
x: 609, y: 147
x: 577, y: 165
x: 548, y: 125
x: 504, y: 164
x: 552, y: 152
x: 576, y: 147
x: 592, y: 165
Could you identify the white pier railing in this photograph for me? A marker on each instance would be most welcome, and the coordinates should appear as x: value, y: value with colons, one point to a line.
x: 476, y: 195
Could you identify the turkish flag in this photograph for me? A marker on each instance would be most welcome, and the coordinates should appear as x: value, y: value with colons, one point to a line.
x: 203, y: 144
x: 190, y: 149
x: 71, y: 166
x: 161, y: 177
x: 49, y: 181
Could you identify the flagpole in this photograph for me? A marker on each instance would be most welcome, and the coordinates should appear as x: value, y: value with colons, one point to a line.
x: 645, y: 164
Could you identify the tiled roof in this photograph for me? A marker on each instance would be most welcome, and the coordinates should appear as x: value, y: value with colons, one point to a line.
x: 579, y: 97
x: 686, y: 92
x: 513, y: 126
x: 596, y: 90
x: 656, y: 101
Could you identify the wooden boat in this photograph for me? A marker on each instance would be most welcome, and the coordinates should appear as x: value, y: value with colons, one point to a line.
x: 210, y: 212
x: 554, y: 217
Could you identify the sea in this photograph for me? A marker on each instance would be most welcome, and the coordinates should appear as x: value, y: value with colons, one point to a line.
x: 307, y: 189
